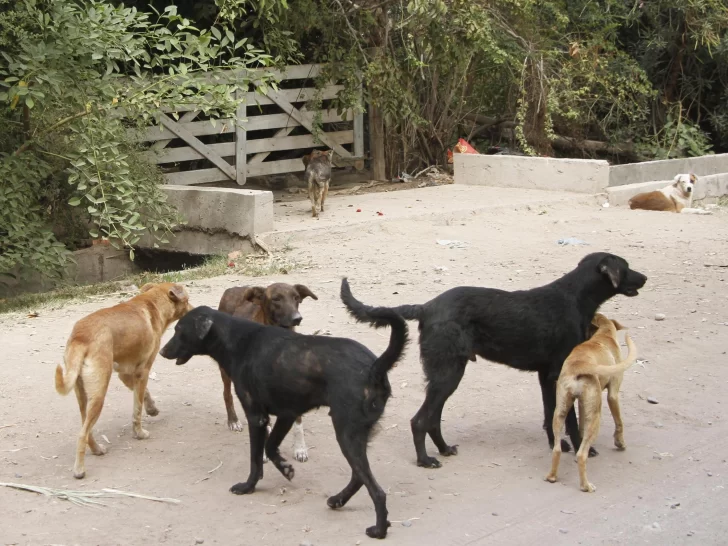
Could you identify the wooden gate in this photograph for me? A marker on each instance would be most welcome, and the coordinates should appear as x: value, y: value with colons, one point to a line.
x: 234, y: 152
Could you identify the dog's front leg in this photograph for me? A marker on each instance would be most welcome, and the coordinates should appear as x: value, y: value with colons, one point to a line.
x: 140, y: 393
x: 257, y: 428
x: 300, y: 451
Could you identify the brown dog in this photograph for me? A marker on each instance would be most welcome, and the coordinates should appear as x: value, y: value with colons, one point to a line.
x: 591, y: 367
x: 124, y: 338
x: 276, y: 305
x: 318, y: 177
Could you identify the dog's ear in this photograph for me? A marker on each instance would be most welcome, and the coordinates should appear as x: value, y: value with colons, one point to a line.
x: 591, y: 330
x: 610, y: 269
x: 306, y: 160
x: 693, y: 178
x: 177, y: 293
x: 147, y: 287
x: 304, y: 291
x: 618, y: 325
x: 676, y: 180
x: 203, y: 323
x: 254, y: 294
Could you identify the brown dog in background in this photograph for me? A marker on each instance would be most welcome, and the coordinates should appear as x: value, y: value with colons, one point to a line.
x: 276, y: 305
x: 317, y: 177
x: 591, y: 367
x: 125, y: 339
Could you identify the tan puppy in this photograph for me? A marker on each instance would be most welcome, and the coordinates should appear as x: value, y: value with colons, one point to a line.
x: 677, y: 197
x: 124, y: 338
x: 591, y: 367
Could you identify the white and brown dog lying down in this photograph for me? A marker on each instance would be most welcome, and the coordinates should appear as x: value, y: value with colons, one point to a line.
x: 677, y: 197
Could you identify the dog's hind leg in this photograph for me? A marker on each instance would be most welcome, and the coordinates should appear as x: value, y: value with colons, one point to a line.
x: 257, y: 429
x: 140, y: 389
x: 428, y: 419
x: 94, y: 382
x: 353, y: 445
x: 324, y: 194
x: 590, y: 407
x: 234, y: 423
x: 548, y: 394
x: 564, y: 401
x: 613, y: 401
x: 300, y: 451
x: 280, y: 429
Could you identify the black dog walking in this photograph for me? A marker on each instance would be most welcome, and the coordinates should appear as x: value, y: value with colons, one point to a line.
x: 279, y: 372
x: 531, y: 330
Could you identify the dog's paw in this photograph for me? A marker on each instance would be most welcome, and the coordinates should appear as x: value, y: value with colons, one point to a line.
x: 99, y: 450
x: 152, y: 411
x: 451, y: 450
x: 551, y: 478
x: 565, y: 447
x: 242, y: 488
x: 620, y: 444
x: 378, y: 532
x: 141, y: 434
x: 265, y: 458
x: 301, y: 454
x: 79, y: 473
x: 235, y: 426
x: 288, y: 471
x: 429, y: 462
x: 588, y: 488
x: 593, y: 452
x: 335, y: 502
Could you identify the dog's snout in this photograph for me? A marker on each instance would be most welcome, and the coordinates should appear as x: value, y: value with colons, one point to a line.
x: 296, y: 319
x: 690, y: 189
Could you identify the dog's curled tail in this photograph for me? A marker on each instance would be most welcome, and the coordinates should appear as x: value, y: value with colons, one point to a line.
x: 621, y: 366
x: 355, y: 307
x: 73, y: 360
x: 379, y: 317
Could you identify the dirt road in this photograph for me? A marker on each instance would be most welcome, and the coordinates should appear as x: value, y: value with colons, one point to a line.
x: 668, y: 487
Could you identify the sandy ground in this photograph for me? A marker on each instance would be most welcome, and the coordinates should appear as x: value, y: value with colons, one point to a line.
x: 668, y: 487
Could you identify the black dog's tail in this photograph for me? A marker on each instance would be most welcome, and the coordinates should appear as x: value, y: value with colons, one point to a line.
x: 355, y: 307
x: 379, y: 317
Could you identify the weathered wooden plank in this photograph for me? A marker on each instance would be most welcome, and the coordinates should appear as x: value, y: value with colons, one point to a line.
x: 376, y: 143
x: 284, y: 132
x: 200, y: 176
x: 227, y: 125
x: 306, y: 119
x: 240, y: 144
x: 186, y: 118
x: 276, y: 167
x: 304, y: 94
x: 193, y: 141
x: 228, y: 149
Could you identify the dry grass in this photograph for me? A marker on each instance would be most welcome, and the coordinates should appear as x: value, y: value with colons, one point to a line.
x: 252, y: 265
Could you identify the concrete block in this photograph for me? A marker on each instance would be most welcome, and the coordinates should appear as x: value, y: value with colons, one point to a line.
x: 667, y: 169
x: 542, y: 173
x: 707, y: 188
x: 219, y: 220
x: 236, y: 211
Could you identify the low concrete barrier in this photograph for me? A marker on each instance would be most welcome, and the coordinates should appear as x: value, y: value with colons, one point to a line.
x: 219, y: 220
x: 648, y: 171
x: 540, y: 173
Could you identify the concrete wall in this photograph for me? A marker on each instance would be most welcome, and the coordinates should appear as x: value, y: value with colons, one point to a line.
x: 539, y: 173
x: 667, y: 169
x: 219, y: 220
x: 709, y: 188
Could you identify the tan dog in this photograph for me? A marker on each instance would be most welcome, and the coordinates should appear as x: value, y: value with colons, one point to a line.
x: 276, y: 305
x: 677, y: 197
x: 591, y: 367
x: 124, y: 338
